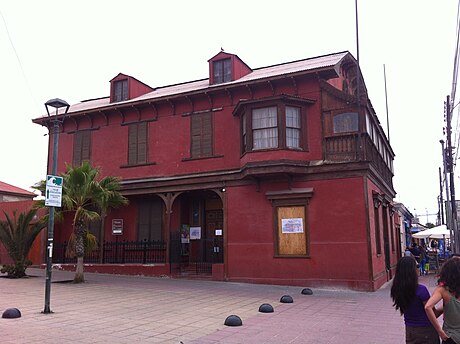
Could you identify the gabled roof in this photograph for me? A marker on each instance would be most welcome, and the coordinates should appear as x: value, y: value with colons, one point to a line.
x: 223, y: 54
x: 330, y: 63
x: 8, y: 189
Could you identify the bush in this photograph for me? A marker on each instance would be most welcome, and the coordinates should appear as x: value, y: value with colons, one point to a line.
x: 17, y: 270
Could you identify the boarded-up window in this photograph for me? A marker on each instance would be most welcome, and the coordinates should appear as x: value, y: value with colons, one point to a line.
x: 137, y: 143
x: 150, y: 220
x: 81, y: 147
x: 291, y: 231
x: 201, y: 135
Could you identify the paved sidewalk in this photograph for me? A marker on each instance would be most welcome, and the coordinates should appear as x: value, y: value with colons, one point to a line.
x: 125, y: 309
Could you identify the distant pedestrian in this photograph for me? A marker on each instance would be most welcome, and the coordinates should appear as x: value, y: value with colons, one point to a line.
x: 409, y: 297
x: 423, y: 259
x: 448, y: 291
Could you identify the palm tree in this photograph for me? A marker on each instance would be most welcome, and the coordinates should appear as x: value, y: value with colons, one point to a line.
x: 17, y: 235
x: 82, y: 193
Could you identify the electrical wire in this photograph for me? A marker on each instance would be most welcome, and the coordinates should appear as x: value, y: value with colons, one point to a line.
x: 454, y: 88
x: 19, y: 61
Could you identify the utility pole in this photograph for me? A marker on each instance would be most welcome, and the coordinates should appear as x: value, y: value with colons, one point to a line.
x: 450, y: 167
x: 448, y: 217
x: 441, y: 199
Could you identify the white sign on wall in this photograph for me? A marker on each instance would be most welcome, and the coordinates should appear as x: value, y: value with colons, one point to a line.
x: 294, y: 225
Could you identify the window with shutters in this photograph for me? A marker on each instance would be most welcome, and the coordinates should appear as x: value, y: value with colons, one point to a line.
x: 120, y: 90
x: 150, y: 220
x: 81, y: 147
x: 201, y: 135
x: 137, y: 143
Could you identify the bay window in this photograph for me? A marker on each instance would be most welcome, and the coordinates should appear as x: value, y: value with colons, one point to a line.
x: 274, y: 123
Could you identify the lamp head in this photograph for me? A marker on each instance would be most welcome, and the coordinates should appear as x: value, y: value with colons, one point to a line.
x: 56, y: 103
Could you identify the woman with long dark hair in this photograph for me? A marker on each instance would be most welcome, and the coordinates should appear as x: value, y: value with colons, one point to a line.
x: 410, y: 297
x: 448, y: 291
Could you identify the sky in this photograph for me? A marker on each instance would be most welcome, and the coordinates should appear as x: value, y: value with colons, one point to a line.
x: 72, y: 49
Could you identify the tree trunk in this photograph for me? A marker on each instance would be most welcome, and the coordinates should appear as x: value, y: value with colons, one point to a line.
x: 79, y: 277
x: 102, y: 238
x: 79, y: 252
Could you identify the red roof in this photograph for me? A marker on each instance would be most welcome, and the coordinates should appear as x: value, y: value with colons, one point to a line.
x: 13, y: 190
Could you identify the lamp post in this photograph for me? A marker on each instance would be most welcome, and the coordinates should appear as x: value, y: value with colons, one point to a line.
x: 57, y: 104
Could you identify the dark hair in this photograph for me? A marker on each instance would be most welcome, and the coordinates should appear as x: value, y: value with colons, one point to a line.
x: 450, y: 275
x: 404, y: 284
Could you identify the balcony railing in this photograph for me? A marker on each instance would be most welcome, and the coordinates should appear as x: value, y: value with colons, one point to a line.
x: 118, y: 252
x: 356, y: 147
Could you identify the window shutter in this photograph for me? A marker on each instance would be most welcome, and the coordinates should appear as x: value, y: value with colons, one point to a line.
x: 124, y: 84
x: 85, y: 145
x: 77, y: 144
x: 142, y: 143
x: 143, y: 222
x: 132, y: 144
x: 195, y: 136
x: 206, y: 134
x: 201, y: 135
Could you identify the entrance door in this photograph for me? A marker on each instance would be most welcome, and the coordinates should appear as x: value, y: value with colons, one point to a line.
x: 201, y: 216
x: 214, y: 235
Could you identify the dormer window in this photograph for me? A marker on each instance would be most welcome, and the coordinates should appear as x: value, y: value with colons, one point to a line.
x: 120, y: 90
x: 222, y: 71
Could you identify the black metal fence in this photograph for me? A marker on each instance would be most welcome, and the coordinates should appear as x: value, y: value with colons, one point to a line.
x: 118, y: 252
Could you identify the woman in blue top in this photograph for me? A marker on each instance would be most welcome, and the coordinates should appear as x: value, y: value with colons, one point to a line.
x: 409, y: 297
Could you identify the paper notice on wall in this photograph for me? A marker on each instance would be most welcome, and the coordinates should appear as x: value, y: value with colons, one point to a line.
x: 195, y: 233
x: 294, y: 225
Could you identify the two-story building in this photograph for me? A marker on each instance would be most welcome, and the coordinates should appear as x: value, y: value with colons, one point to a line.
x: 272, y: 175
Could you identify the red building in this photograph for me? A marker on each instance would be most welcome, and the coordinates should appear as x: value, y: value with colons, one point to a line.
x: 14, y: 199
x: 270, y: 175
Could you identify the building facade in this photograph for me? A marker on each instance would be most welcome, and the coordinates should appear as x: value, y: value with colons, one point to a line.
x: 272, y: 175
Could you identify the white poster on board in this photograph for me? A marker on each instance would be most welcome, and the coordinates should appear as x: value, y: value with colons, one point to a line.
x: 294, y: 225
x: 195, y: 233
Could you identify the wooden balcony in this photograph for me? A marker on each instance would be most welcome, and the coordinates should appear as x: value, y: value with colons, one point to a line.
x: 356, y: 147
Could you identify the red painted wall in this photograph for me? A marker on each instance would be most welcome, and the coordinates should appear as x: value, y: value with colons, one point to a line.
x: 337, y: 241
x: 36, y: 253
x: 340, y: 214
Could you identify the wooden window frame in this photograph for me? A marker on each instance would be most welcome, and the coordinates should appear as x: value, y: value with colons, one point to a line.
x: 378, y: 201
x: 219, y: 65
x: 290, y: 199
x: 201, y: 135
x: 151, y: 207
x: 81, y: 147
x: 124, y: 92
x: 280, y: 105
x: 137, y: 150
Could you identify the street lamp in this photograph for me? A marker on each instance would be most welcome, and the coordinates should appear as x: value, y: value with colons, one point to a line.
x: 57, y: 104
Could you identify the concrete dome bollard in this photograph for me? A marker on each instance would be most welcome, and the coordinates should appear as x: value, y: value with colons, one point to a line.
x: 307, y: 291
x: 286, y: 299
x: 11, y: 313
x: 233, y: 320
x: 266, y: 308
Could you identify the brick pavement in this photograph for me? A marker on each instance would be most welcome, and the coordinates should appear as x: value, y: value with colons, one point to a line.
x: 127, y: 309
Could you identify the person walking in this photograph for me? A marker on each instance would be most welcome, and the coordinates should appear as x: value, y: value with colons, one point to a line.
x: 423, y: 260
x: 448, y: 290
x: 409, y: 297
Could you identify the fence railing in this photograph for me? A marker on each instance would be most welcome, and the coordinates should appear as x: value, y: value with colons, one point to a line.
x: 117, y: 252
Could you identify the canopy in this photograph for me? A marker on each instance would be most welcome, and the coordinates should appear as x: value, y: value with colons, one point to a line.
x: 438, y: 232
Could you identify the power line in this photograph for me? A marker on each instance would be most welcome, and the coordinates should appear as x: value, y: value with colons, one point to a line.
x: 19, y: 60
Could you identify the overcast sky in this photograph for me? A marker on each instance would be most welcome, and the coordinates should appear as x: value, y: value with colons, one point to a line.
x: 71, y: 50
